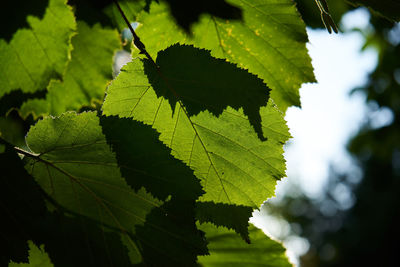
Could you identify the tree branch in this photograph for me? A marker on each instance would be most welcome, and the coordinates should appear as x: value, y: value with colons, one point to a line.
x: 136, y: 39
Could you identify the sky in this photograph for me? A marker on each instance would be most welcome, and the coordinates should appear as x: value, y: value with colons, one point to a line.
x: 329, y: 116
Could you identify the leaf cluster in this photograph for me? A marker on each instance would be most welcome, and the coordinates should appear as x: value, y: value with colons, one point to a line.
x: 162, y: 165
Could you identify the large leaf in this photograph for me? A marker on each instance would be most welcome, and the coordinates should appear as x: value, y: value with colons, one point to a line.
x: 35, y: 55
x: 187, y: 12
x: 69, y: 241
x: 227, y: 249
x: 234, y: 165
x: 86, y: 76
x: 74, y: 165
x: 270, y: 42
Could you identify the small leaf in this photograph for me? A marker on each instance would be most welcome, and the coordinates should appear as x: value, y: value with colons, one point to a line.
x: 36, y: 55
x: 227, y: 249
x: 37, y: 257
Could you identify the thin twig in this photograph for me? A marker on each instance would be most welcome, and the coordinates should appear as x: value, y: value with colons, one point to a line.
x: 27, y: 153
x: 136, y: 39
x: 325, y: 16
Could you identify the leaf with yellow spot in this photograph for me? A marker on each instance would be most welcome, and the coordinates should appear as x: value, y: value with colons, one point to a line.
x: 269, y: 42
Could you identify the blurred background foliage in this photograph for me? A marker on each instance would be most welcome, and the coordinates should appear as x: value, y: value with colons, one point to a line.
x: 355, y: 222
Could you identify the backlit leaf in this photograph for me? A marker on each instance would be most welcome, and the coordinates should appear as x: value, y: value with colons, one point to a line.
x: 269, y: 42
x: 227, y: 249
x: 75, y: 166
x: 86, y: 76
x: 234, y: 165
x: 37, y: 257
x: 36, y: 55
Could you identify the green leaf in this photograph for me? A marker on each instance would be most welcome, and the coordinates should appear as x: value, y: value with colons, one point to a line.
x: 227, y: 249
x: 37, y: 257
x: 388, y: 8
x: 36, y: 55
x: 160, y: 173
x: 187, y: 12
x: 269, y: 42
x: 202, y: 82
x: 74, y: 165
x: 86, y: 76
x: 234, y: 165
x: 69, y: 241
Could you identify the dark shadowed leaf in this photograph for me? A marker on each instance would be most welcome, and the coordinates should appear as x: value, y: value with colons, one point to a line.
x: 388, y: 8
x: 69, y: 241
x: 230, y: 216
x: 201, y: 82
x: 147, y: 162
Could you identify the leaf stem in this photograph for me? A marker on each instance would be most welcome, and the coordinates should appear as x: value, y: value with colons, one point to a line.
x: 27, y: 153
x: 325, y: 16
x: 136, y: 39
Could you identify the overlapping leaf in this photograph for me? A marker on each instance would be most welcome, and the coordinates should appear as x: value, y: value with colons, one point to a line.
x: 270, y: 42
x: 35, y: 55
x: 75, y: 167
x: 86, y: 76
x: 234, y: 165
x: 227, y: 249
x: 230, y: 216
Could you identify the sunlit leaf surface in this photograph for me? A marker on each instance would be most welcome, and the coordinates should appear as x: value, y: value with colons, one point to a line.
x: 35, y: 55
